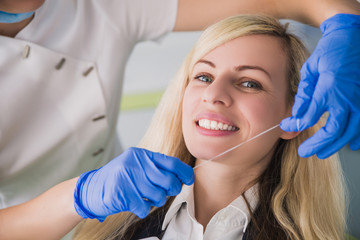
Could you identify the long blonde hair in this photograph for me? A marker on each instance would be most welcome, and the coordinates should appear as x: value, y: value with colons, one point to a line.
x: 301, y: 197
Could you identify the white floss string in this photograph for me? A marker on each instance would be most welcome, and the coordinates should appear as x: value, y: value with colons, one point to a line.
x: 298, y: 124
x: 240, y: 144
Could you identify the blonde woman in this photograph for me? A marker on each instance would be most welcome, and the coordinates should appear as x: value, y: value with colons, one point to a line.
x: 239, y: 80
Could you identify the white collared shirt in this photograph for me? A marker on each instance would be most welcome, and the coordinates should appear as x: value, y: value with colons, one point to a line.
x: 229, y: 223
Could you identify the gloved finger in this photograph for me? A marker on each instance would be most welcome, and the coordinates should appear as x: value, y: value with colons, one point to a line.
x: 293, y: 124
x: 140, y: 210
x: 155, y: 195
x: 165, y: 180
x: 126, y: 198
x: 130, y: 199
x: 352, y: 126
x: 333, y: 128
x: 303, y: 96
x: 306, y: 86
x: 315, y: 107
x: 160, y: 177
x: 174, y: 165
x: 315, y: 111
x: 289, y: 124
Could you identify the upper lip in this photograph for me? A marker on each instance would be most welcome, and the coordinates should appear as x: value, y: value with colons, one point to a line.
x: 215, y: 117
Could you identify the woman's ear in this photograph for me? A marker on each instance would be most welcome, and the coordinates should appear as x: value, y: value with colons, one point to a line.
x: 289, y: 135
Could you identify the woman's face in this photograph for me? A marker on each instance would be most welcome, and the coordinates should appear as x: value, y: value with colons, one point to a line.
x: 236, y: 91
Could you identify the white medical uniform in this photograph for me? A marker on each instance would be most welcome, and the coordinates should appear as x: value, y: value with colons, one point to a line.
x: 60, y: 88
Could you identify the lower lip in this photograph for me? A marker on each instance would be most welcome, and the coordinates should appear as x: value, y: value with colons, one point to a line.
x: 209, y: 132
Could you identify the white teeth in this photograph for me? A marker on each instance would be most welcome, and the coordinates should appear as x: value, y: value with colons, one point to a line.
x: 204, y: 123
x: 214, y: 125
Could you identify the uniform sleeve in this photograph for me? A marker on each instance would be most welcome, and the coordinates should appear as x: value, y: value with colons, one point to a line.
x: 141, y: 20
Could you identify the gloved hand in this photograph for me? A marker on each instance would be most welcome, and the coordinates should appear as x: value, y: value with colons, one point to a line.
x: 133, y: 181
x: 330, y: 81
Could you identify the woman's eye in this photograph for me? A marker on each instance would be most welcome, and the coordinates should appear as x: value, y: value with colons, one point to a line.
x: 251, y: 84
x: 204, y: 78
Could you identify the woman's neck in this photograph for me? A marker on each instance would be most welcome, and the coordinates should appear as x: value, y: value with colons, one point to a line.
x: 12, y: 29
x: 217, y: 185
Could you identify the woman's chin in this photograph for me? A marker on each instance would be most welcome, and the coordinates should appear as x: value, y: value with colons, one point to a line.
x: 206, y: 155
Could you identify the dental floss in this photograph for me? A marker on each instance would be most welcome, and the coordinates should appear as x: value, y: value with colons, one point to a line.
x: 298, y: 124
x: 240, y: 144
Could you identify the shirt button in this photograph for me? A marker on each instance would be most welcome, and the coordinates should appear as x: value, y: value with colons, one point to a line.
x: 26, y: 52
x: 60, y: 64
x: 97, y: 152
x: 88, y: 71
x: 98, y: 118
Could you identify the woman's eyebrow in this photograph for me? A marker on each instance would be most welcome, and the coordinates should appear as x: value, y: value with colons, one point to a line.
x: 245, y: 67
x: 238, y: 68
x: 211, y: 64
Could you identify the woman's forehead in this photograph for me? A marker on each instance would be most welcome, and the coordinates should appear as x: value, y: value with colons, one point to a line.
x: 259, y: 50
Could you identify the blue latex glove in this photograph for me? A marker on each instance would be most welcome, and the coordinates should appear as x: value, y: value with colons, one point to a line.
x: 133, y: 181
x: 330, y: 81
x: 6, y: 17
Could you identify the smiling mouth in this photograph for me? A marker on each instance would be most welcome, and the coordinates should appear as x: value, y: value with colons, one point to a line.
x: 215, y: 125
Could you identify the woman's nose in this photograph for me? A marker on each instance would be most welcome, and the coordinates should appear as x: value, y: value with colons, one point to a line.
x: 218, y: 92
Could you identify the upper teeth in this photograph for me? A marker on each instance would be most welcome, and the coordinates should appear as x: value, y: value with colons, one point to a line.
x: 214, y: 125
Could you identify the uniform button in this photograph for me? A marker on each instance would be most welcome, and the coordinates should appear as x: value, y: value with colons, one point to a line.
x: 88, y: 71
x: 26, y: 51
x: 98, y: 118
x: 60, y: 64
x: 98, y: 152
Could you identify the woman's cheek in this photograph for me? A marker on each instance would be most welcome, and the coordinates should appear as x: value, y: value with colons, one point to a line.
x: 256, y: 111
x: 267, y: 111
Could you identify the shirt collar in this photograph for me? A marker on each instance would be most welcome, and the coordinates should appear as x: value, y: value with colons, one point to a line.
x: 252, y: 198
x: 187, y: 196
